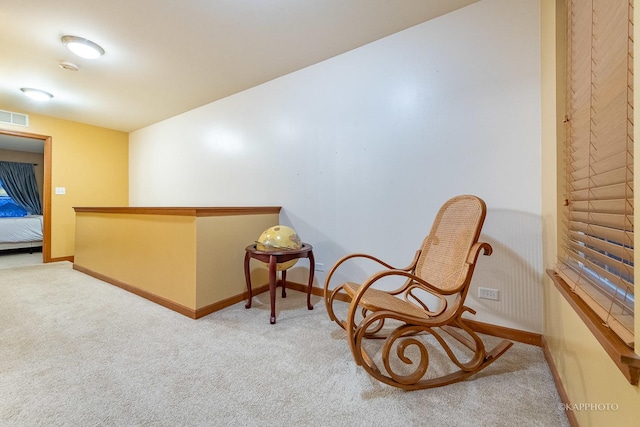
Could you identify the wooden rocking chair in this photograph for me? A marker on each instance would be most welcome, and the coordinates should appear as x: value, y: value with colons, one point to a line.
x: 443, y: 268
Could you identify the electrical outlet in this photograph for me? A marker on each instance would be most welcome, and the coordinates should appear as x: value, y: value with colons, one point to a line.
x: 487, y: 293
x: 319, y: 266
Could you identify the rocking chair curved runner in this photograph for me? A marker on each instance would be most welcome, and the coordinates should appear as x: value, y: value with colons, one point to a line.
x: 442, y: 268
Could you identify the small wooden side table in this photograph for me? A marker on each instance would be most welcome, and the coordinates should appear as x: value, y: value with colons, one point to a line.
x: 273, y: 258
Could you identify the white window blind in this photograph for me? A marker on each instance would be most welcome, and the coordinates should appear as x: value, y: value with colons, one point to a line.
x: 597, y: 261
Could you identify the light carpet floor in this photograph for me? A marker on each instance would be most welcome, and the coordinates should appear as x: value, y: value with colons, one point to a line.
x: 10, y: 259
x: 75, y: 351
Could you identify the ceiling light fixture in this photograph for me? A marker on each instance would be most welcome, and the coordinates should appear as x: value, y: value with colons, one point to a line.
x: 83, y: 47
x: 36, y: 94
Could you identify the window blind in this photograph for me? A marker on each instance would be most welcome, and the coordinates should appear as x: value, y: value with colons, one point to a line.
x: 597, y: 260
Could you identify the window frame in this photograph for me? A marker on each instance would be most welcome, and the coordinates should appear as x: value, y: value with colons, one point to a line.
x: 625, y: 358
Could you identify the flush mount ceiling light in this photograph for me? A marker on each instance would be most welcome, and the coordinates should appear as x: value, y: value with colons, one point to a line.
x: 83, y: 47
x: 37, y: 94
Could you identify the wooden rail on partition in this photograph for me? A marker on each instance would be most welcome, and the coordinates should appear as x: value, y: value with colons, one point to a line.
x: 183, y: 211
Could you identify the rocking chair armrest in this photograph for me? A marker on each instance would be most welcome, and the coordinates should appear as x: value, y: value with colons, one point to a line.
x: 411, y: 278
x: 475, y: 251
x: 358, y: 255
x: 412, y: 281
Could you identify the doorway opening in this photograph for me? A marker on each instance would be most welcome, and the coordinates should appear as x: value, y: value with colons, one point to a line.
x: 46, y: 183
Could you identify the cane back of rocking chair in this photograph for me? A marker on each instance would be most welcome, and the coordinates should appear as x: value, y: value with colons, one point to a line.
x: 443, y: 259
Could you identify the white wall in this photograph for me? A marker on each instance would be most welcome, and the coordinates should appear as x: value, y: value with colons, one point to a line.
x: 362, y: 149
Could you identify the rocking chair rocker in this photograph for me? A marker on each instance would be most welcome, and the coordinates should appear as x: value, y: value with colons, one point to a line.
x: 442, y: 268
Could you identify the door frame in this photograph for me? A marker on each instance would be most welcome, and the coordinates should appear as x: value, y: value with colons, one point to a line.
x: 46, y: 189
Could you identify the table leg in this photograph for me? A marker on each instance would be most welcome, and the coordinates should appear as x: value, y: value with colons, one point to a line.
x: 312, y: 267
x: 284, y: 283
x: 272, y: 287
x: 247, y: 277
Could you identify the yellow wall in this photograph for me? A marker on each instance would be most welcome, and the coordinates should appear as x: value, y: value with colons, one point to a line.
x: 185, y: 259
x: 221, y: 244
x: 92, y: 163
x: 152, y: 253
x: 587, y: 372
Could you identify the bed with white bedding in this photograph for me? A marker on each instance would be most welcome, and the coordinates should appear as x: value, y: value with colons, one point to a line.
x: 21, y: 232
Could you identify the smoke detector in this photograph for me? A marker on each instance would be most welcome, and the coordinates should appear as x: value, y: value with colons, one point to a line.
x: 70, y: 66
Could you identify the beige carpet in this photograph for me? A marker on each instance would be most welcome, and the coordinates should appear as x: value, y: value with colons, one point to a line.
x: 9, y: 259
x: 75, y: 351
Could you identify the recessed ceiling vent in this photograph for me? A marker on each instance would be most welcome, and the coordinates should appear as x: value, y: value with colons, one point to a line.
x: 11, y: 118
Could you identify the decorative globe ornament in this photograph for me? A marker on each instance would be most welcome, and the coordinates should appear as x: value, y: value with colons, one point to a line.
x: 280, y: 238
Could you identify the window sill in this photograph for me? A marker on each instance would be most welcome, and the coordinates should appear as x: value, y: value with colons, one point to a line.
x: 624, y: 358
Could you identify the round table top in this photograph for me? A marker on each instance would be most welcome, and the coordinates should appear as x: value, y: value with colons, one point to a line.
x: 254, y: 250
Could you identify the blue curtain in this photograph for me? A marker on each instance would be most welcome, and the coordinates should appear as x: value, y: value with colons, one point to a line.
x: 19, y: 182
